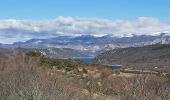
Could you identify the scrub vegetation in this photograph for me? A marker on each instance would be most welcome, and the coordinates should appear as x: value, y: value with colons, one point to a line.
x: 32, y: 77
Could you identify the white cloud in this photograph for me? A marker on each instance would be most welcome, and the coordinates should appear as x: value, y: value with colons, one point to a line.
x: 19, y: 30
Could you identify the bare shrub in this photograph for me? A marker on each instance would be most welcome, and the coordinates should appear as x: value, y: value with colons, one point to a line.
x: 24, y: 79
x: 142, y: 87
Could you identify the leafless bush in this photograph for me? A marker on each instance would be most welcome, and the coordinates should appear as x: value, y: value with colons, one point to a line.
x: 22, y: 78
x: 142, y: 87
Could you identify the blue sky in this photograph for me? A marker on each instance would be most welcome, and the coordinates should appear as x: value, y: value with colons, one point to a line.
x: 109, y: 9
x: 21, y: 20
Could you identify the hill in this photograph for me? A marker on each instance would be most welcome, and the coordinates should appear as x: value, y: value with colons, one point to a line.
x: 151, y: 57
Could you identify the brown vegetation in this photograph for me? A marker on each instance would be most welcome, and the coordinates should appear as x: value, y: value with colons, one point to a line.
x: 25, y: 78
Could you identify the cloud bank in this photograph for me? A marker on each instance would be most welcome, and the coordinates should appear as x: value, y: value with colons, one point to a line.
x: 12, y: 30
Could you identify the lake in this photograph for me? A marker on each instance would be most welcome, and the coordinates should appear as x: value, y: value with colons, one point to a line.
x: 86, y: 60
x: 89, y: 60
x: 116, y: 67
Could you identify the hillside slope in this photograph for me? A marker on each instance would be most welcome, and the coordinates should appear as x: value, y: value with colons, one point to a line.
x: 49, y: 52
x: 146, y: 57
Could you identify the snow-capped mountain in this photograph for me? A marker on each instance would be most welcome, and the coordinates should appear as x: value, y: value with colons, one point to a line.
x: 92, y: 44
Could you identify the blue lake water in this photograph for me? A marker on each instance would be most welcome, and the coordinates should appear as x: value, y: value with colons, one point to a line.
x: 86, y: 60
x: 89, y: 60
x: 116, y: 67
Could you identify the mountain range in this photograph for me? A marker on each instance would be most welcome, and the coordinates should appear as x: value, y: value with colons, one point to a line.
x: 92, y: 45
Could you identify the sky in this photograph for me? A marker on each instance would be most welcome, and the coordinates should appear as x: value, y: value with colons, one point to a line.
x: 21, y: 20
x: 109, y: 9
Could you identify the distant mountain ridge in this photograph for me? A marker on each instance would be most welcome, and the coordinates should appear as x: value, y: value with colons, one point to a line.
x: 91, y: 44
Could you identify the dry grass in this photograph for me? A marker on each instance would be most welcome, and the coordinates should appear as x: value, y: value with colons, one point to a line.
x: 24, y: 78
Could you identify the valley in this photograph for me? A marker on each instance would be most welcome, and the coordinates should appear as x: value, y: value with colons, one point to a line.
x: 110, y: 75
